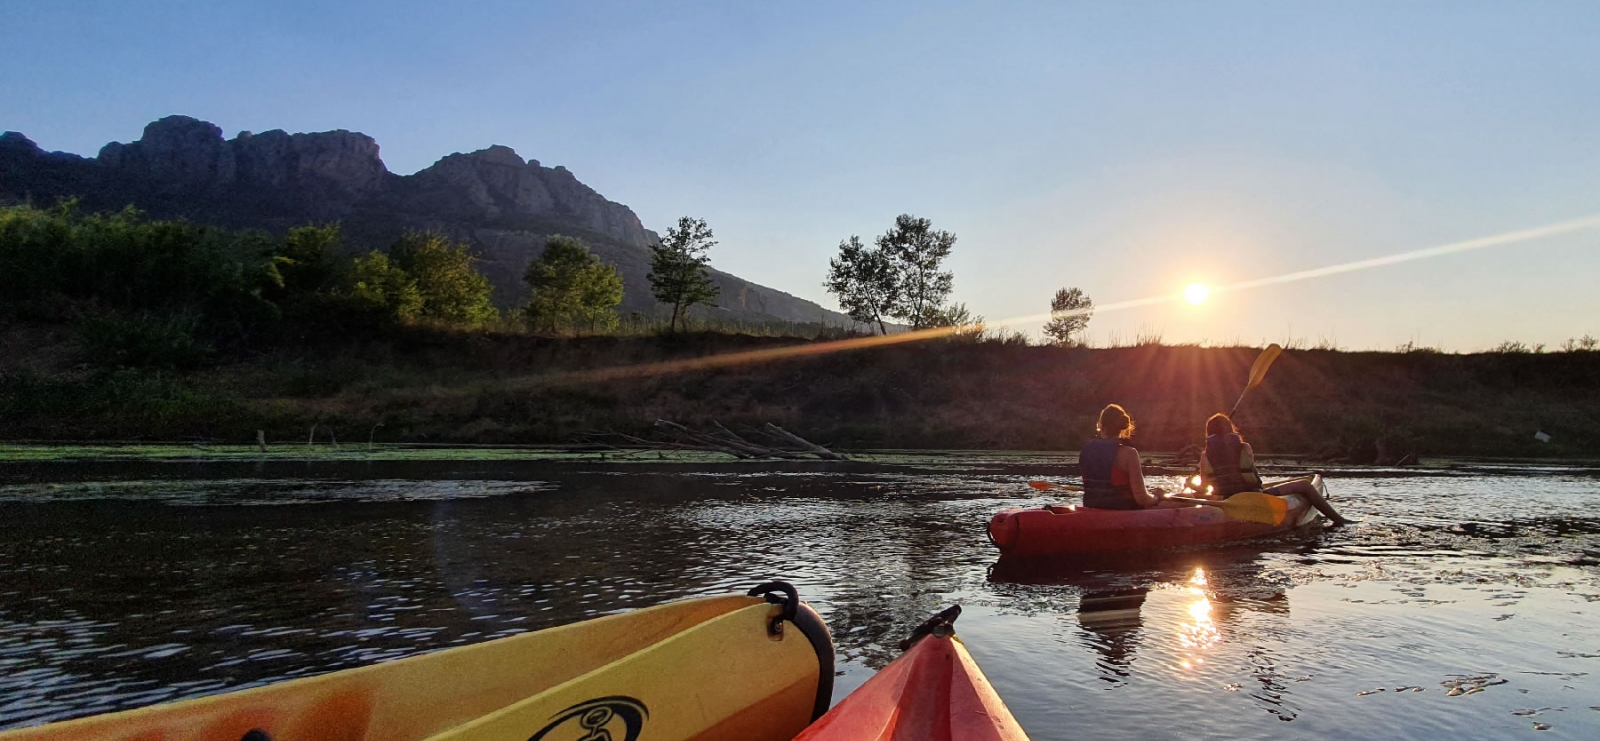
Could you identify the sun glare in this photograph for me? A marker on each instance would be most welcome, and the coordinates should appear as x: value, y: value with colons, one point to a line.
x: 1196, y: 293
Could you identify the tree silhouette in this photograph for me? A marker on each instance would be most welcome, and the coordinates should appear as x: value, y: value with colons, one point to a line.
x: 1070, y: 312
x: 679, y: 275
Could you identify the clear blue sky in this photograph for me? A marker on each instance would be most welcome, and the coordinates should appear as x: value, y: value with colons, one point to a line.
x: 1127, y: 148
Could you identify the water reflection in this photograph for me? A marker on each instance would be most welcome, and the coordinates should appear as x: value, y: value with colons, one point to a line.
x: 1199, y: 632
x: 1178, y: 609
x: 1110, y: 620
x: 119, y: 595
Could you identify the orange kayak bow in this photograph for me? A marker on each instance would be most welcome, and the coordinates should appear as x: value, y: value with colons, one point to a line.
x: 932, y: 692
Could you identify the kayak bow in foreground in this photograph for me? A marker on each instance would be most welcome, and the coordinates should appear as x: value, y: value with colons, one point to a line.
x: 757, y: 666
x: 932, y: 692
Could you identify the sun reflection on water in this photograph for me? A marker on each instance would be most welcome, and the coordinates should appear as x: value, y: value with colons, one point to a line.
x: 1200, y: 631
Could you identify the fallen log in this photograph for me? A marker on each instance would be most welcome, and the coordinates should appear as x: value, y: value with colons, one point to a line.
x: 723, y: 440
x: 814, y: 448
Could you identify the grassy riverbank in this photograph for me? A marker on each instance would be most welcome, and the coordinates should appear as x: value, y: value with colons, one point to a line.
x: 434, y: 386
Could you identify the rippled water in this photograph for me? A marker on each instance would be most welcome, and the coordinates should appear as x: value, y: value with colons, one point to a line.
x: 1465, y: 603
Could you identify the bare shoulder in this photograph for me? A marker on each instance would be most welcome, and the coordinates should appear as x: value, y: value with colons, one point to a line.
x: 1128, y: 453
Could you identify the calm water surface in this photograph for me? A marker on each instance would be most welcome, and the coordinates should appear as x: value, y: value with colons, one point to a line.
x: 1465, y: 603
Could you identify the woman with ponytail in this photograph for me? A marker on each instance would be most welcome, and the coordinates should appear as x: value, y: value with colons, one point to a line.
x: 1112, y: 474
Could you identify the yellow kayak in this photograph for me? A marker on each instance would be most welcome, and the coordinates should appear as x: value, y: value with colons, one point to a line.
x: 757, y: 666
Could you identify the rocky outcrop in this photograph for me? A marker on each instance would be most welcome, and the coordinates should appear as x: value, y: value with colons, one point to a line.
x: 180, y: 155
x: 175, y: 153
x: 343, y: 162
x: 504, y: 205
x: 496, y: 185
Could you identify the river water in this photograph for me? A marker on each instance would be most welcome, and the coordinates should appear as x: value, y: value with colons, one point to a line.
x: 1466, y: 602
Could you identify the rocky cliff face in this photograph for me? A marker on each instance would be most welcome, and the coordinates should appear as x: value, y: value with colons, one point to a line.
x: 504, y: 205
x: 495, y: 185
x: 325, y: 174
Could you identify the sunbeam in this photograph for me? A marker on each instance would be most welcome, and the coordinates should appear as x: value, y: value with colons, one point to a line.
x: 859, y: 343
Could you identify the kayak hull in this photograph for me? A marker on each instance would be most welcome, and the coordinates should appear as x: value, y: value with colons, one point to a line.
x: 706, y: 669
x: 1057, y: 530
x: 933, y: 692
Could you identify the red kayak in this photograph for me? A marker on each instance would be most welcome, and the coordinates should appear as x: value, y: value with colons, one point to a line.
x: 1060, y: 530
x: 933, y: 692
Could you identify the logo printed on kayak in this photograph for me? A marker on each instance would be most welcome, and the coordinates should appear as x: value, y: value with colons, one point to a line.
x: 615, y: 718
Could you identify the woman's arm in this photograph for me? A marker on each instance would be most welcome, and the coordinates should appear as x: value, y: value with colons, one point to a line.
x: 1247, y: 462
x: 1129, y: 459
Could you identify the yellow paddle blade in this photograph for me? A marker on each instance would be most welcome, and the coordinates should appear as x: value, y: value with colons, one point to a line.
x: 1258, y: 372
x: 1255, y: 506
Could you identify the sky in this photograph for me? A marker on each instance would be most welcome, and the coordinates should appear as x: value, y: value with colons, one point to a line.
x: 1128, y: 149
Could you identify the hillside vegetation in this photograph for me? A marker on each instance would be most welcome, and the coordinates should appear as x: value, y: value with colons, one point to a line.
x: 117, y: 327
x: 434, y: 385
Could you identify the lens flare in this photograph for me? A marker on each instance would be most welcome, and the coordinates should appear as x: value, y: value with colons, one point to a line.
x: 739, y: 358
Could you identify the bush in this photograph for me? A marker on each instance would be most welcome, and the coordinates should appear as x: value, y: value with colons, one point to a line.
x: 144, y: 341
x: 380, y: 287
x: 572, y: 288
x: 1586, y: 343
x: 452, y: 291
x: 124, y: 262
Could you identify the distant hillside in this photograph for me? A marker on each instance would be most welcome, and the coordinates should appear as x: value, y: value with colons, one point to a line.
x: 426, y: 385
x: 501, y: 204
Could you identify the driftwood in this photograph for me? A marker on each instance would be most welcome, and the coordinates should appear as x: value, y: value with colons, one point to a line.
x: 818, y: 450
x: 723, y: 440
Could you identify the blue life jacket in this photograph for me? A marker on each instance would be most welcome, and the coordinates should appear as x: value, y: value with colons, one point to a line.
x: 1224, y: 457
x: 1096, y: 462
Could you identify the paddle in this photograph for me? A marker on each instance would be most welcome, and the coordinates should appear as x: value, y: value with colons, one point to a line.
x: 1250, y: 506
x: 1258, y: 372
x: 1048, y: 485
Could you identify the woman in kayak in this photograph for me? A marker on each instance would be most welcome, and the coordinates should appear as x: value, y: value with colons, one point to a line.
x: 1112, y: 476
x: 1228, y: 466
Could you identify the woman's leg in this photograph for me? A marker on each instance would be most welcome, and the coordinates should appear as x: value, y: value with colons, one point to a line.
x: 1305, y: 489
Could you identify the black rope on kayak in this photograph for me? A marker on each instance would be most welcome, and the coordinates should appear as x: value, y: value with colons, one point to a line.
x: 942, y: 624
x: 256, y: 734
x: 811, y: 626
x: 790, y: 600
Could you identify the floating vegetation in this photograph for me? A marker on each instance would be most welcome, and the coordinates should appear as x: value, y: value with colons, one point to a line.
x: 269, y: 491
x: 1471, y: 685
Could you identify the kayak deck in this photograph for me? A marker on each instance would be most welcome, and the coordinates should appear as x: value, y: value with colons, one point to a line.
x: 706, y: 668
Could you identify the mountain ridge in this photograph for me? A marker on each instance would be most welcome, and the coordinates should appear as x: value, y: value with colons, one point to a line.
x: 501, y: 204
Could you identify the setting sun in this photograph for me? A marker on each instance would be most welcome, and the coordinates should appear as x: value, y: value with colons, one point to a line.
x: 1196, y: 293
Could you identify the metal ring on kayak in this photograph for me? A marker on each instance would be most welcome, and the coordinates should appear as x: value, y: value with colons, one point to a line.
x: 812, y: 627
